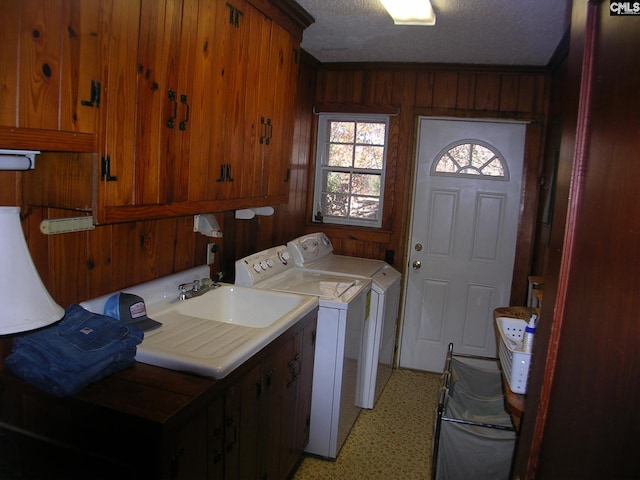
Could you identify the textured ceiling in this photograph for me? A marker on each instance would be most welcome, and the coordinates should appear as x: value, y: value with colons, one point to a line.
x: 489, y: 32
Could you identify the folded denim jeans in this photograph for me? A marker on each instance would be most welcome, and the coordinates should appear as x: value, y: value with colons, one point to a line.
x: 82, y: 348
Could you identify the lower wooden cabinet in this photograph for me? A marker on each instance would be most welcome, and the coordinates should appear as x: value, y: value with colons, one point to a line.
x: 149, y: 422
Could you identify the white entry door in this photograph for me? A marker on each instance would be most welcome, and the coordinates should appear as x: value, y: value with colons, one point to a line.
x: 463, y: 237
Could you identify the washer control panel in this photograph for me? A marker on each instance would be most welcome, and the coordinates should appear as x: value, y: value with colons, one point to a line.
x: 310, y: 248
x: 263, y: 265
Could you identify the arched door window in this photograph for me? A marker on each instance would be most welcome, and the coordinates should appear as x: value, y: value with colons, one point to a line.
x: 471, y: 157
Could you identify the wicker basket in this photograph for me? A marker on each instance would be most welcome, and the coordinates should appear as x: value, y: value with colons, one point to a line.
x: 515, y: 362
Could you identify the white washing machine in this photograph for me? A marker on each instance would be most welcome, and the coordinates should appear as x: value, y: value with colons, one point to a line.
x: 343, y: 306
x: 315, y: 252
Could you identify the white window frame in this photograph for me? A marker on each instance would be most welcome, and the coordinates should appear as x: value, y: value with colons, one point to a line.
x: 322, y: 152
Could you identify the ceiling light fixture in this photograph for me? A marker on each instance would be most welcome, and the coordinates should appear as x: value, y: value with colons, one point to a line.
x: 410, y: 12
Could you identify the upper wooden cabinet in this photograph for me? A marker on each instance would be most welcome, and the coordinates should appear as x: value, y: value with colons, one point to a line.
x: 49, y: 81
x: 196, y: 110
x: 255, y: 79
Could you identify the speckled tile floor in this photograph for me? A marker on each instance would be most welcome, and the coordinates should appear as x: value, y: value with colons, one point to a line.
x: 390, y: 442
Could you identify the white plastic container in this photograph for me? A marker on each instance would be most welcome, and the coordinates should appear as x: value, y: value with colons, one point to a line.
x: 515, y: 362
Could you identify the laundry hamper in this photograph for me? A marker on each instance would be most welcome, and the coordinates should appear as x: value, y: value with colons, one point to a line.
x: 474, y: 438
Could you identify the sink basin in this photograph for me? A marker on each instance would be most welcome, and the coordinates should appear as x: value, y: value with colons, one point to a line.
x: 216, y: 332
x: 239, y: 306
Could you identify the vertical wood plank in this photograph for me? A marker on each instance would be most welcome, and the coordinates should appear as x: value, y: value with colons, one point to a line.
x: 383, y: 87
x: 99, y: 261
x: 80, y: 65
x: 509, y: 92
x: 9, y: 51
x: 445, y: 89
x: 526, y: 92
x: 67, y: 262
x: 40, y: 63
x: 424, y: 89
x: 466, y: 92
x: 487, y: 92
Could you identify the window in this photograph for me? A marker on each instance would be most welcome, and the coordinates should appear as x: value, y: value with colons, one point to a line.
x: 351, y: 158
x: 471, y: 157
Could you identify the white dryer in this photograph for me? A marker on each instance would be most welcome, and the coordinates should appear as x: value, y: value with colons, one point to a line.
x: 343, y: 306
x: 315, y: 252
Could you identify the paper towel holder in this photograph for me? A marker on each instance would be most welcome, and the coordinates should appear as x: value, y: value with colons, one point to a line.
x: 18, y: 159
x: 207, y: 224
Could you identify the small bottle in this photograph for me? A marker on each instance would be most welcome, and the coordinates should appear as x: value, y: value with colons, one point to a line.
x: 529, y: 331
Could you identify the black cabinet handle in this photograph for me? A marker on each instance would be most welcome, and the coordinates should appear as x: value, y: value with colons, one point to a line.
x: 270, y: 377
x: 183, y: 123
x: 172, y: 98
x: 269, y: 132
x: 95, y: 96
x: 106, y: 170
x: 294, y: 366
x: 230, y: 424
x: 263, y: 130
x: 223, y: 172
x: 175, y: 464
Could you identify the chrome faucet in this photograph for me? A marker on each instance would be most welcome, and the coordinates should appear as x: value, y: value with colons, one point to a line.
x: 198, y: 287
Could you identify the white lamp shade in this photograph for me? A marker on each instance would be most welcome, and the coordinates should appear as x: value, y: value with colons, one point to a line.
x: 25, y: 303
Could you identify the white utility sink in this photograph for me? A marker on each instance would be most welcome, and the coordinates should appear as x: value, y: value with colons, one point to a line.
x: 241, y: 306
x: 214, y: 333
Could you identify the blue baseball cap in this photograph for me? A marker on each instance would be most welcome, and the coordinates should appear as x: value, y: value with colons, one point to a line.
x: 130, y: 309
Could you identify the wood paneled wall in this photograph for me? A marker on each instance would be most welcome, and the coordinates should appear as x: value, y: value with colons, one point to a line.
x: 434, y: 90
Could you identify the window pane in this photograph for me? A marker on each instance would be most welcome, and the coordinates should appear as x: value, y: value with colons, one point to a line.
x: 370, y: 133
x: 342, y: 132
x: 337, y: 182
x: 369, y: 157
x: 461, y: 154
x: 481, y: 155
x: 365, y: 208
x: 340, y: 155
x: 364, y: 184
x: 335, y: 205
x: 495, y: 168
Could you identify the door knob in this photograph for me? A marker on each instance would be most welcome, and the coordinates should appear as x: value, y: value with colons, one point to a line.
x: 416, y: 264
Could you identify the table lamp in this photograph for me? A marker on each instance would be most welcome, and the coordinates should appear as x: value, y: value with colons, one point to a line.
x: 25, y: 303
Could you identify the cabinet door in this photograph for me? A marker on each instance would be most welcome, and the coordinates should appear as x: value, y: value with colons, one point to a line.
x: 305, y: 386
x: 148, y: 102
x: 278, y: 105
x: 185, y: 451
x: 215, y: 439
x: 231, y: 171
x: 158, y: 99
x: 244, y: 426
x: 50, y: 71
x: 288, y: 454
x: 190, y: 169
x: 117, y: 141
